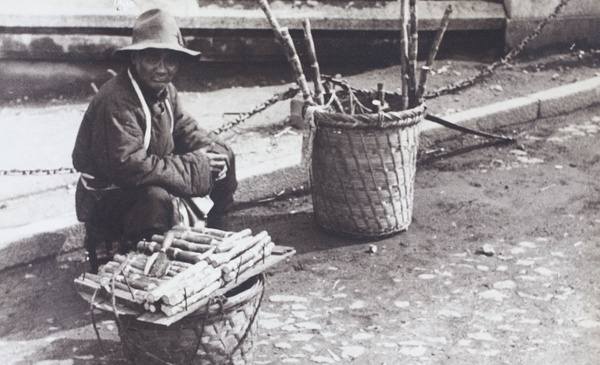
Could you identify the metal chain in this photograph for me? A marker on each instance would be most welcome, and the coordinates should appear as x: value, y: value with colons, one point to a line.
x: 489, y: 70
x: 35, y: 172
x: 290, y: 93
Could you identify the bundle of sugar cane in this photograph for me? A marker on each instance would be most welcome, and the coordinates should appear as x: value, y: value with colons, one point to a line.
x: 201, y: 262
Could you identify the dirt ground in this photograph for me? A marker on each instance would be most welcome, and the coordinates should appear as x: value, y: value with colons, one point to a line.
x: 498, y: 266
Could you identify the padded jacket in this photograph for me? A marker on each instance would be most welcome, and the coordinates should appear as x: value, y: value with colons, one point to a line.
x: 110, y: 142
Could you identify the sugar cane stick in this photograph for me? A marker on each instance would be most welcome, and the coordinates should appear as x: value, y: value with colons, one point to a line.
x: 433, y: 52
x: 241, y: 246
x: 136, y: 281
x: 198, y: 270
x: 196, y: 237
x: 92, y: 283
x: 284, y: 38
x: 404, y: 15
x: 113, y: 266
x: 230, y: 276
x: 217, y: 234
x: 148, y: 246
x: 183, y: 244
x: 228, y: 243
x: 185, y: 256
x: 336, y: 101
x: 314, y: 64
x: 133, y: 293
x: 246, y: 256
x: 200, y: 296
x: 187, y: 289
x: 294, y: 60
x: 413, y: 46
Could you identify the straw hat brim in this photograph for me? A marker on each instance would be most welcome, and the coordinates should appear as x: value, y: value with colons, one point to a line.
x: 146, y: 45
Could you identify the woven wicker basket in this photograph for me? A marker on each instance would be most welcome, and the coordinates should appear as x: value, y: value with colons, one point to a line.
x: 363, y: 169
x: 221, y: 334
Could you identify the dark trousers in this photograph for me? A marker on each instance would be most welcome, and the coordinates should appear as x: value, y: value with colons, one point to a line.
x: 138, y: 213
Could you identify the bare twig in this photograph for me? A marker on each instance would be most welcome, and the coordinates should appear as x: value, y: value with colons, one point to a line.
x: 284, y: 38
x: 489, y: 70
x: 404, y: 52
x: 413, y: 46
x: 433, y: 52
x: 314, y: 64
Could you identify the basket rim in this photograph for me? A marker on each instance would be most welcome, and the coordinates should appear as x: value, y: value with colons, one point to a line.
x: 382, y: 120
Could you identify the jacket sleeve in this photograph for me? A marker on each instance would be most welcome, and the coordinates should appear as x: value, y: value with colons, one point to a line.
x: 189, y: 136
x: 127, y: 164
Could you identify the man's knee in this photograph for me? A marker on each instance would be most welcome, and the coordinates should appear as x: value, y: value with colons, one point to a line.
x: 154, y: 194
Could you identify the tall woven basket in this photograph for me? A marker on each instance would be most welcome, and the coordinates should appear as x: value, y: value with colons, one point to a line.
x: 363, y: 169
x: 223, y: 333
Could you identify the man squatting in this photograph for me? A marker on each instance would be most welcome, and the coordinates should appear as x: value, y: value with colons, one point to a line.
x: 140, y: 154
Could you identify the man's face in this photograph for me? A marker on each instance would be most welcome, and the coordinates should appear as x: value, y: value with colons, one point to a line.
x: 156, y: 67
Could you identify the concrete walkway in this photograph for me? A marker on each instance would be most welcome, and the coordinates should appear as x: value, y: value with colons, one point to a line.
x: 37, y: 217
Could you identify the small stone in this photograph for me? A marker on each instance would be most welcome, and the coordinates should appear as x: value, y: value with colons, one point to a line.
x: 287, y: 298
x: 492, y: 294
x: 481, y: 336
x: 527, y: 244
x: 401, y: 304
x: 449, y: 313
x: 544, y: 271
x: 352, y: 352
x: 426, y: 276
x: 517, y: 250
x: 322, y: 360
x: 518, y: 152
x: 359, y: 304
x: 506, y: 284
x: 413, y: 351
x: 270, y: 324
x: 482, y: 268
x: 309, y: 325
x: 497, y: 88
x: 301, y: 337
x: 308, y: 348
x: 362, y: 336
x: 577, y: 244
x: 555, y: 76
x: 524, y: 263
x: 373, y: 248
x: 488, y: 250
x: 588, y: 323
x: 502, y: 268
x: 283, y: 345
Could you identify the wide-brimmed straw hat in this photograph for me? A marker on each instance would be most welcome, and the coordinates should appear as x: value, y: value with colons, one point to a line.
x: 156, y: 28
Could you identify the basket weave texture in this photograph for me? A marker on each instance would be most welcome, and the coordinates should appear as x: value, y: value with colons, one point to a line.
x: 363, y: 170
x: 223, y: 333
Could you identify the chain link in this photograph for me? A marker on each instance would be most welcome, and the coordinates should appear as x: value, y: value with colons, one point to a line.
x: 290, y: 93
x: 37, y: 172
x: 489, y: 70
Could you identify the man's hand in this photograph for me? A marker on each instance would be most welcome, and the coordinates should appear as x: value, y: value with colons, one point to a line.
x: 218, y: 163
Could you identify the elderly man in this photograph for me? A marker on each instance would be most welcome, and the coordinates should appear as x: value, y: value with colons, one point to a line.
x: 140, y: 155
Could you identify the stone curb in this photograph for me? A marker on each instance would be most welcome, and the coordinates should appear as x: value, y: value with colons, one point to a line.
x: 38, y: 240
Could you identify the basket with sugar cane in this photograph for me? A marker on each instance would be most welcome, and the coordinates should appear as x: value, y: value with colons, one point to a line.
x: 198, y: 306
x: 361, y: 145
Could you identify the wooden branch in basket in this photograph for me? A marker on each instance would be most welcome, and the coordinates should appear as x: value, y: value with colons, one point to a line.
x: 283, y: 36
x: 433, y: 53
x: 404, y: 17
x: 413, y: 46
x: 314, y: 64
